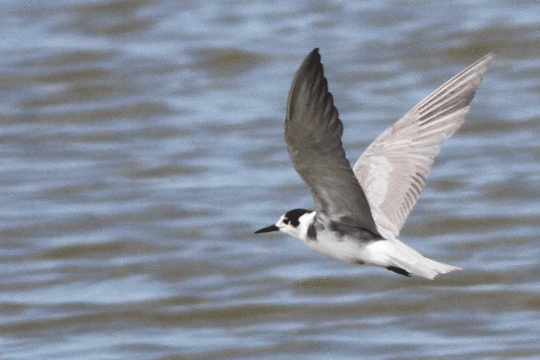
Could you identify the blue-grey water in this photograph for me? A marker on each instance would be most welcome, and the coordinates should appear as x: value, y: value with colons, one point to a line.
x: 141, y: 144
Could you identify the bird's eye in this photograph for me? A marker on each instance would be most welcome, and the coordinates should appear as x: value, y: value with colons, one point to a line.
x: 286, y: 221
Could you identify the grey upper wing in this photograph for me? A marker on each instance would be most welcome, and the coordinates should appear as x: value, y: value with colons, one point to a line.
x: 313, y: 135
x: 393, y: 169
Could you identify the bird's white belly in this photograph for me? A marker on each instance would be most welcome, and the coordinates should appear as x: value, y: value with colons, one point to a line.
x: 348, y: 249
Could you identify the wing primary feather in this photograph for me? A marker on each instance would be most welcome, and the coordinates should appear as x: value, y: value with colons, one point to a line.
x: 313, y: 134
x: 393, y: 169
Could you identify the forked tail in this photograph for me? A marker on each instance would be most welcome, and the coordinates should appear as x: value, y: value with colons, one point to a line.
x: 403, y: 257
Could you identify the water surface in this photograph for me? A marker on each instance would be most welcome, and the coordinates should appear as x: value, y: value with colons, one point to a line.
x: 141, y: 144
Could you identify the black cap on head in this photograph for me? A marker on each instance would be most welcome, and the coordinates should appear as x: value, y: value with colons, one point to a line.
x: 294, y: 215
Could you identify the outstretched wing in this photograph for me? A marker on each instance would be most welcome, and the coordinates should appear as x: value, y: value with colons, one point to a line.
x: 393, y: 169
x: 313, y: 135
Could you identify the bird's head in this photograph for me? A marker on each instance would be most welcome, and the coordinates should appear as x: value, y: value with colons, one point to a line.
x: 294, y: 222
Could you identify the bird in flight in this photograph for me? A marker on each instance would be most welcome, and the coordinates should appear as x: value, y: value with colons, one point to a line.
x: 359, y: 211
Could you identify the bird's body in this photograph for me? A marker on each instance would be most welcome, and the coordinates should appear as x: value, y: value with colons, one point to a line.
x: 359, y: 211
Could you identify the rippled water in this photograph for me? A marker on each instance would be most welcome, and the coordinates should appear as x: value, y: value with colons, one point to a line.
x: 141, y: 145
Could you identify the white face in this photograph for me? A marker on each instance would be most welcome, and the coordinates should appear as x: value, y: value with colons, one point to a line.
x: 295, y: 223
x: 294, y: 229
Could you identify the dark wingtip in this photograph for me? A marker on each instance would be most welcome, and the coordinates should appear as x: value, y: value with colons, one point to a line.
x: 315, y: 55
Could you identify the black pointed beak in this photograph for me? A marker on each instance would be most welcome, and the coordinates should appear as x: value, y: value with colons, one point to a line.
x: 267, y: 229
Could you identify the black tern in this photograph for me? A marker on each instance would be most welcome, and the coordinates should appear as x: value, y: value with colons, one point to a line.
x: 359, y: 211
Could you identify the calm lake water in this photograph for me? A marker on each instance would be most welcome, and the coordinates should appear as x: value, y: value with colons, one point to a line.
x: 141, y: 145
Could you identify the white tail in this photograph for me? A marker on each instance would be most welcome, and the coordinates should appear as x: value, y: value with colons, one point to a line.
x: 406, y: 258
